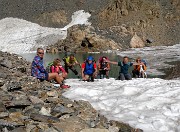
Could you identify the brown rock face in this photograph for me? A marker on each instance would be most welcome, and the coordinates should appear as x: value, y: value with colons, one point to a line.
x: 136, y: 42
x: 82, y: 38
x: 158, y: 20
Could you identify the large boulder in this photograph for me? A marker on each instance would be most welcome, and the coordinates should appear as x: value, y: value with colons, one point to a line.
x: 136, y: 42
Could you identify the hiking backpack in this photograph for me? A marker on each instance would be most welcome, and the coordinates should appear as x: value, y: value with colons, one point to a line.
x: 48, y: 68
x: 144, y: 61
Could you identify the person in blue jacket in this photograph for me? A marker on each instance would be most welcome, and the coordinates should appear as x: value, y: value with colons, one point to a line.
x: 89, y: 69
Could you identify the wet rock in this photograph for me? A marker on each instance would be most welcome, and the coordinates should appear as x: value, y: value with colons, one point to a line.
x: 44, y: 118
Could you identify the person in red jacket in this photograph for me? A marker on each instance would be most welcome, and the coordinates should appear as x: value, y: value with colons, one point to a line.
x: 58, y: 68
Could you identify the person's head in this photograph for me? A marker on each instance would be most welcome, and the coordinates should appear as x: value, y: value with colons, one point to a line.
x: 71, y: 57
x: 40, y: 52
x: 57, y: 62
x: 104, y: 59
x: 138, y: 60
x: 125, y: 59
x: 90, y: 59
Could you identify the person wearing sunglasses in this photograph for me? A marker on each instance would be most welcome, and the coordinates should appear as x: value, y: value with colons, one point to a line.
x: 38, y: 70
x: 124, y: 68
x: 139, y: 69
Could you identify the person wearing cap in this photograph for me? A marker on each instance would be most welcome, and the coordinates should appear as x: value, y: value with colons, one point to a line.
x: 89, y: 69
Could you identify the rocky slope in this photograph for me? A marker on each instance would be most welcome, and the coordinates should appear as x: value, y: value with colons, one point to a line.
x: 26, y: 104
x: 156, y: 22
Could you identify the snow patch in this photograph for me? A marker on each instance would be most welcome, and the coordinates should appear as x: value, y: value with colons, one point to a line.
x: 20, y: 36
x: 149, y: 104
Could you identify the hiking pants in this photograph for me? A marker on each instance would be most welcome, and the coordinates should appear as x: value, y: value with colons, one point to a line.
x: 123, y: 76
x: 135, y: 73
x: 72, y: 68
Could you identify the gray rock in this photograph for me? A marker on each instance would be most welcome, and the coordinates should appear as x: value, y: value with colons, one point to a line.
x: 6, y: 63
x: 35, y: 100
x: 2, y: 107
x: 44, y: 118
x: 2, y: 82
x: 19, y: 129
x: 94, y: 130
x: 5, y: 123
x: 61, y: 110
x: 11, y: 86
x: 73, y: 124
x: 3, y: 75
x: 3, y: 115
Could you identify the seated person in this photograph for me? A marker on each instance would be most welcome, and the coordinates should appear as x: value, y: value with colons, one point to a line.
x: 103, y: 67
x: 124, y: 67
x: 70, y: 63
x: 38, y: 71
x: 57, y: 68
x: 139, y: 69
x: 89, y: 69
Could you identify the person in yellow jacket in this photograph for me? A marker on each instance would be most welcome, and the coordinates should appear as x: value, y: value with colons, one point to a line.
x: 70, y: 63
x: 139, y: 70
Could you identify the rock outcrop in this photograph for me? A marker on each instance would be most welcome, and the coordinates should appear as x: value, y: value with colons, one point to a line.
x: 83, y: 38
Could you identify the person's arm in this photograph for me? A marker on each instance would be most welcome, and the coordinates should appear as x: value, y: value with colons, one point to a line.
x: 99, y: 66
x: 95, y: 68
x: 62, y: 69
x: 67, y: 62
x: 108, y: 67
x: 82, y: 70
x: 52, y: 69
x: 112, y: 62
x: 40, y: 66
x: 135, y: 63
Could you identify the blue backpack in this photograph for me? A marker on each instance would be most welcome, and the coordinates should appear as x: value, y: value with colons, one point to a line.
x: 144, y: 61
x: 89, y: 68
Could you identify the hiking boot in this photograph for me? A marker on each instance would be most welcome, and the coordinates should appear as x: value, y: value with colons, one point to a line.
x: 107, y: 77
x: 65, y: 86
x: 92, y: 79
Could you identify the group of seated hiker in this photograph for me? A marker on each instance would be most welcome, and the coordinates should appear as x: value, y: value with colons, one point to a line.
x: 89, y: 68
x: 38, y: 70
